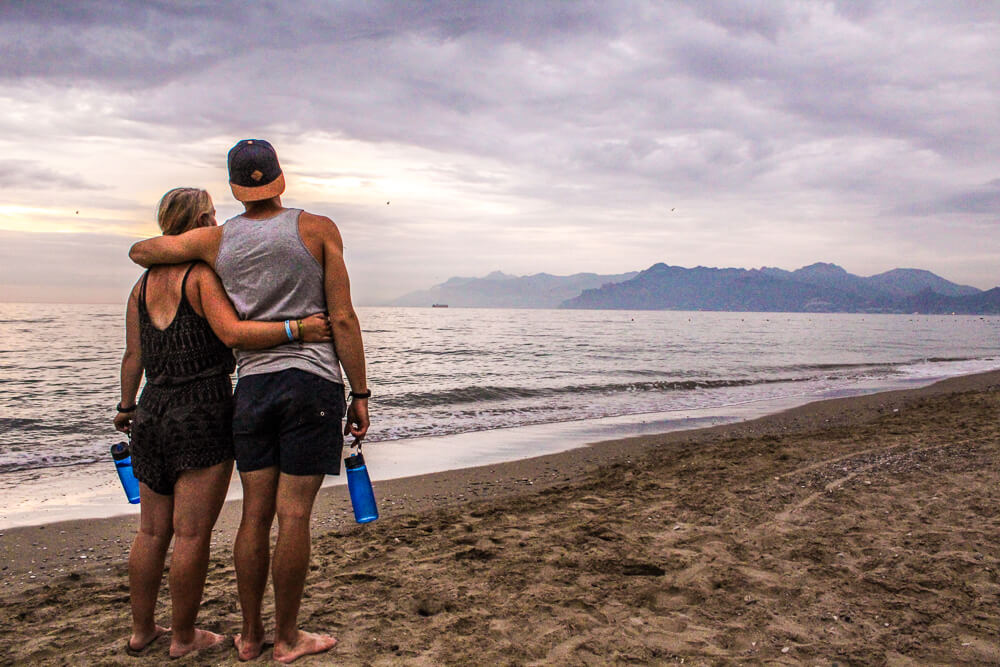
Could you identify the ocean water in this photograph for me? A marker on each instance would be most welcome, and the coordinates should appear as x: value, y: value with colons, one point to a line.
x: 441, y: 372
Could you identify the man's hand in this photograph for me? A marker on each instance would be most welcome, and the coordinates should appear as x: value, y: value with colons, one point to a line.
x: 357, y: 419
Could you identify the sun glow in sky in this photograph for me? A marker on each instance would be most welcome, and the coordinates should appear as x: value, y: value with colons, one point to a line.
x: 454, y: 138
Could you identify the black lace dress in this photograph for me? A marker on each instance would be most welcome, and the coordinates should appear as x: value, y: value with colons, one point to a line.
x: 185, y: 415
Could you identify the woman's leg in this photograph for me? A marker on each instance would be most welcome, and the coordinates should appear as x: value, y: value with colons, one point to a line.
x: 145, y: 564
x: 198, y: 498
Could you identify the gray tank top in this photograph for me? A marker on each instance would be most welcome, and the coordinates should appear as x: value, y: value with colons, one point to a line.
x: 270, y: 275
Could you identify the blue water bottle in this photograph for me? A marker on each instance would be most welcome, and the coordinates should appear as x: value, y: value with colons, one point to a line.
x: 359, y: 484
x: 123, y: 462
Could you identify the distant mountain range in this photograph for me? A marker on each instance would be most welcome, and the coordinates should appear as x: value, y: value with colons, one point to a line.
x: 816, y: 288
x: 819, y: 287
x: 500, y: 290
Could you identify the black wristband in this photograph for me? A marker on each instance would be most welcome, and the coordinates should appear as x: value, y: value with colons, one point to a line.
x: 119, y: 408
x: 360, y: 394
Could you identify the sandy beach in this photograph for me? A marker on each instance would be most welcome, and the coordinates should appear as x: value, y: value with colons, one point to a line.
x: 861, y: 530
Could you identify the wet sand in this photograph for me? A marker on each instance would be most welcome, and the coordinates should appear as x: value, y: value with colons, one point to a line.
x: 862, y: 530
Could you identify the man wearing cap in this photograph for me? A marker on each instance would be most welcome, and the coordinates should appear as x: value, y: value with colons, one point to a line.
x: 277, y: 263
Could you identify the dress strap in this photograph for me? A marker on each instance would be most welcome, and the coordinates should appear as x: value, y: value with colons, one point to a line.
x: 184, y: 282
x: 142, y: 290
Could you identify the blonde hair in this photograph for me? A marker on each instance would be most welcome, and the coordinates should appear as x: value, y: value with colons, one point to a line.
x: 181, y: 209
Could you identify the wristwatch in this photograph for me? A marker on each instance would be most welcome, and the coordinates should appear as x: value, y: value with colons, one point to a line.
x: 360, y: 394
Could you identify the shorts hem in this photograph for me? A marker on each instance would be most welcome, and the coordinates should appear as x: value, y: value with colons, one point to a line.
x: 177, y: 473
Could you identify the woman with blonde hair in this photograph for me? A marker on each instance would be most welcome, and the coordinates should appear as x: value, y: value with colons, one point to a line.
x: 180, y: 326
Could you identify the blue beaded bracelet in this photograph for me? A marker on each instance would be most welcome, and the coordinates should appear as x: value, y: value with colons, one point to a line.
x: 288, y: 330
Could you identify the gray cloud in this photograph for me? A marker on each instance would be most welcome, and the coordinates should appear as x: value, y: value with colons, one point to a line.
x: 984, y: 200
x: 142, y: 44
x: 479, y: 77
x: 33, y: 175
x: 868, y: 116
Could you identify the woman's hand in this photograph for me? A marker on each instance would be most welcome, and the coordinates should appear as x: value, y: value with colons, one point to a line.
x: 316, y: 328
x: 123, y: 421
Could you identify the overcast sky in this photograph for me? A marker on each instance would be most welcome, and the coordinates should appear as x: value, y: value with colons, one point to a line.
x: 458, y: 138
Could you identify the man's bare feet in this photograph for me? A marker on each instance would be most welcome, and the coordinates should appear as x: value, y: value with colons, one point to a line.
x: 139, y: 642
x: 202, y: 639
x: 248, y: 650
x: 307, y: 643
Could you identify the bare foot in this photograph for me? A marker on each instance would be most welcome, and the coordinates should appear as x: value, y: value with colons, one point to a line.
x: 139, y: 642
x: 202, y: 639
x: 306, y: 644
x: 248, y: 650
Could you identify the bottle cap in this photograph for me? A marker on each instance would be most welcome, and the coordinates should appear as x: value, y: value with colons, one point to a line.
x: 120, y: 451
x: 355, y: 461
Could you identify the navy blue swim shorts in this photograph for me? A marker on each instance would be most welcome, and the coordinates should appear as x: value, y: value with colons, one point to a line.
x: 291, y: 419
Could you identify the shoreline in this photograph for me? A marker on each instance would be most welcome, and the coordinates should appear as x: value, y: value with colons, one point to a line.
x: 680, y: 534
x: 43, y: 496
x: 452, y: 485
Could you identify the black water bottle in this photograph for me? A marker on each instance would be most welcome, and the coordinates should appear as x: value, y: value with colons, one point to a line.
x: 359, y: 484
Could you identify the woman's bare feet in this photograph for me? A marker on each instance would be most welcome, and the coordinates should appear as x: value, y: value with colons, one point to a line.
x: 247, y: 649
x: 202, y: 639
x: 307, y: 643
x: 140, y: 641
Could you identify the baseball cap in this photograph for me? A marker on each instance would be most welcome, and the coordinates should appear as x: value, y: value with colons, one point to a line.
x: 254, y: 172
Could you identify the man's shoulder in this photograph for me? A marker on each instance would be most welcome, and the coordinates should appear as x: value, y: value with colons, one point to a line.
x: 313, y: 219
x: 319, y: 228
